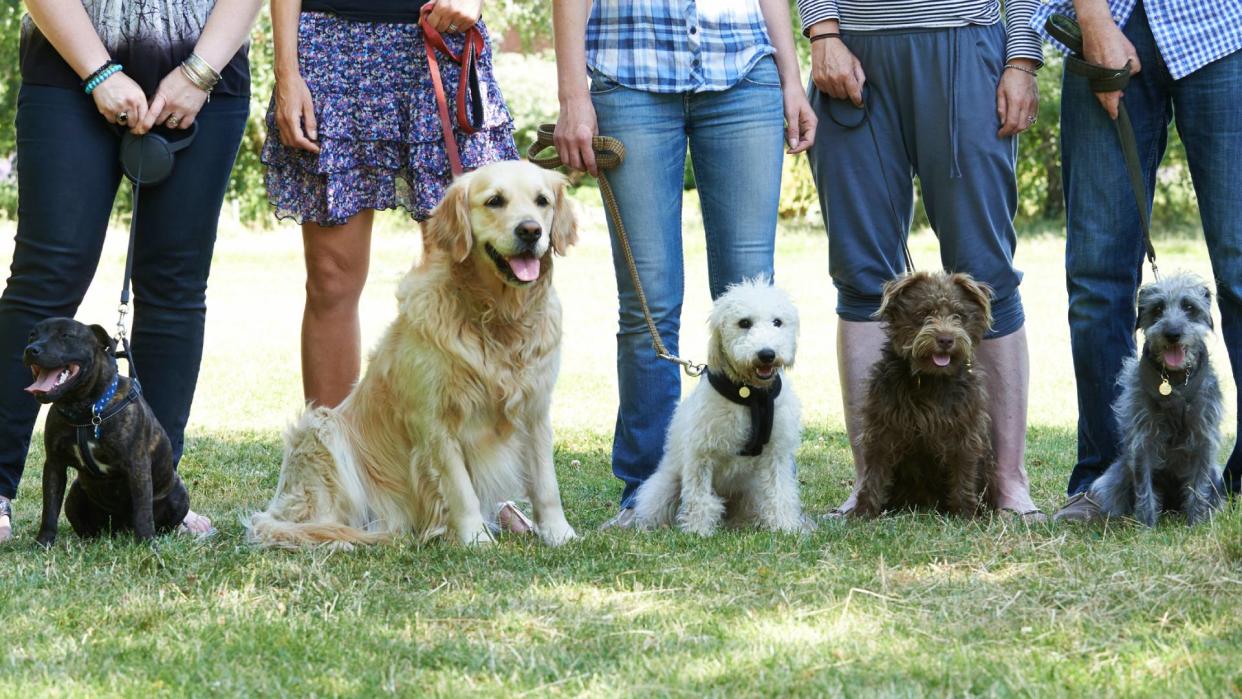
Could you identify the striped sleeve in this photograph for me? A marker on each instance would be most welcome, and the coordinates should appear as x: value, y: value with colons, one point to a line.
x: 813, y: 11
x: 1022, y: 41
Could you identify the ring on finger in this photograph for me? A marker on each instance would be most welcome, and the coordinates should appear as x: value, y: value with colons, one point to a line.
x: 173, y: 121
x: 122, y: 118
x: 452, y: 27
x: 1030, y: 120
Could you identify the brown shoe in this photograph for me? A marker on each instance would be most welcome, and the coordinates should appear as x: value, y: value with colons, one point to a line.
x: 623, y: 520
x: 1080, y: 508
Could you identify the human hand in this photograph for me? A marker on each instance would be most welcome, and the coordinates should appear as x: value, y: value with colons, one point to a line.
x: 454, y: 15
x: 176, y: 103
x: 1017, y: 98
x: 575, y: 127
x: 295, y: 114
x: 836, y: 71
x: 1104, y: 44
x: 121, y: 95
x: 800, y: 120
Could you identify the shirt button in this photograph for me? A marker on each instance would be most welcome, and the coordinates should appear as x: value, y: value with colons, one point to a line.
x: 694, y: 30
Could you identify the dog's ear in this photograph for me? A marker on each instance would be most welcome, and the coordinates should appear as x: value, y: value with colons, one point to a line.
x: 893, y: 290
x: 105, y: 339
x: 1207, y: 305
x: 1141, y: 301
x: 449, y: 225
x: 565, y: 217
x: 978, y: 293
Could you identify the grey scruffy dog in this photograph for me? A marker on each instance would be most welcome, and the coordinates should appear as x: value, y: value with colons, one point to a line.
x: 1169, y: 411
x: 100, y: 426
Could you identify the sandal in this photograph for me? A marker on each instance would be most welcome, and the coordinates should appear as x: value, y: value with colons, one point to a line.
x: 1035, y: 516
x: 183, y: 530
x: 6, y: 520
x: 511, y: 519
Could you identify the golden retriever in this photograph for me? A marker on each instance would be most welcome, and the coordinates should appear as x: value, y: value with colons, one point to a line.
x: 452, y: 415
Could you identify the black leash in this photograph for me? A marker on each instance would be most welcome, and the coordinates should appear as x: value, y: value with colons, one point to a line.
x: 1101, y: 79
x: 847, y: 121
x: 123, y: 310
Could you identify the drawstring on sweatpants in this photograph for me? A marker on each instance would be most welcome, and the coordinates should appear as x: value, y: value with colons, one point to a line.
x: 955, y: 171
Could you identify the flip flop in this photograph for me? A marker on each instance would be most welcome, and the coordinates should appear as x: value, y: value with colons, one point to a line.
x: 511, y: 519
x: 1035, y: 516
x: 183, y: 530
x: 6, y: 521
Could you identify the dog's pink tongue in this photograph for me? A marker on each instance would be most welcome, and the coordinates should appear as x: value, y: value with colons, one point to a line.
x: 525, y: 268
x: 941, y: 359
x: 1175, y: 357
x: 44, y: 382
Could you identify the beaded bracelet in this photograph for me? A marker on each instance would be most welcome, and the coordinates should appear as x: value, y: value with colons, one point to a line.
x: 1028, y: 71
x: 98, y: 71
x: 103, y: 74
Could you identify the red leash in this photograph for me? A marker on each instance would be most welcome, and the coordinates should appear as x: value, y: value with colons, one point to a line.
x: 469, y: 116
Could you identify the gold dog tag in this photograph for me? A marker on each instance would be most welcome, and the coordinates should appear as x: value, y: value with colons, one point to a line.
x: 1166, y: 388
x: 744, y: 391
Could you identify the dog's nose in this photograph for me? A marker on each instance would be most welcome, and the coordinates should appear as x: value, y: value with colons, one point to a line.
x: 528, y: 231
x: 767, y: 356
x: 1174, y: 337
x: 32, y: 351
x: 944, y: 342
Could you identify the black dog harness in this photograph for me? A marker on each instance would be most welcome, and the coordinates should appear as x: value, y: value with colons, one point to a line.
x: 100, y: 413
x: 762, y: 408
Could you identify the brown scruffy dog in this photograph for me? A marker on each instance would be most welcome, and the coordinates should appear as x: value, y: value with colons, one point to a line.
x: 926, y: 435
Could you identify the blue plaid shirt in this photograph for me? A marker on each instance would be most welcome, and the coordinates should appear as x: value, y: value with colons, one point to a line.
x: 1189, y: 33
x: 676, y: 45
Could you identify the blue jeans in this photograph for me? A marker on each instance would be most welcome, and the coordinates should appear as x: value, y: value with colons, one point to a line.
x: 1104, y: 244
x: 736, y: 141
x: 68, y: 174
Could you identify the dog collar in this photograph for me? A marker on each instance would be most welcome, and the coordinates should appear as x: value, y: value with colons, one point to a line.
x: 100, y: 412
x: 761, y: 403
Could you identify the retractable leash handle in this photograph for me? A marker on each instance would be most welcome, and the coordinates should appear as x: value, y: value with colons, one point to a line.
x: 145, y: 160
x: 1102, y: 79
x: 609, y: 153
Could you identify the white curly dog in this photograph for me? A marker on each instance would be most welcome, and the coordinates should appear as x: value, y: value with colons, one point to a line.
x: 730, y: 448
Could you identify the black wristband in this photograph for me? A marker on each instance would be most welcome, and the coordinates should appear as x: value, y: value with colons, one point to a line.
x: 98, y: 72
x: 826, y: 35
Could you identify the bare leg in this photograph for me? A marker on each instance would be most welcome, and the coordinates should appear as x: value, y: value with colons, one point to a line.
x: 337, y: 259
x: 858, y: 349
x: 1007, y: 372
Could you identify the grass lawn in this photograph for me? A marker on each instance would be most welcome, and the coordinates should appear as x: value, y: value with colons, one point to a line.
x: 910, y: 605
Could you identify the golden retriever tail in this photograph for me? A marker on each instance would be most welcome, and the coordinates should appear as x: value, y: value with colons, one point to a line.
x: 266, y: 531
x: 320, y: 497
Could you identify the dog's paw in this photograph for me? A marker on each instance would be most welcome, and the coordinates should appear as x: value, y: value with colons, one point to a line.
x: 557, y: 534
x: 475, y: 534
x: 702, y: 528
x: 46, y: 540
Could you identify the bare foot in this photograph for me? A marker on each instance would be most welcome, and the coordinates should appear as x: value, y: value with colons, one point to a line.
x: 6, y: 520
x: 196, y: 525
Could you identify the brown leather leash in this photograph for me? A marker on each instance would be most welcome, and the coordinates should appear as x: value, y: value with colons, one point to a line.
x: 609, y: 153
x: 467, y: 85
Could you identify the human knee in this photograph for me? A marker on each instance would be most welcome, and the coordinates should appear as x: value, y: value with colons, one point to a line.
x: 333, y: 281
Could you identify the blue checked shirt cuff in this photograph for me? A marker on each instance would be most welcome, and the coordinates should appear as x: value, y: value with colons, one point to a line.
x: 812, y: 11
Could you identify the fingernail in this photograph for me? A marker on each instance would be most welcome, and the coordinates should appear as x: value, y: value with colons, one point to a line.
x: 793, y: 142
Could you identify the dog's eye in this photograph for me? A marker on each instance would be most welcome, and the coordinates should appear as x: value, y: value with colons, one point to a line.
x: 541, y: 201
x: 1157, y: 310
x: 495, y: 202
x: 745, y: 323
x: 1188, y: 308
x: 778, y: 322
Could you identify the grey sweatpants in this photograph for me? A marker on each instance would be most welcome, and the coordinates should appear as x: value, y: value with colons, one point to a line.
x: 932, y: 105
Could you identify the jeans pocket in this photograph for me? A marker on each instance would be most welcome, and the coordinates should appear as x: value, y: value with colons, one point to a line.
x: 764, y: 73
x: 602, y: 84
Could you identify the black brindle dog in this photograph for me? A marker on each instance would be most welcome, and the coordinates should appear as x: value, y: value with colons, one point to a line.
x: 101, y: 426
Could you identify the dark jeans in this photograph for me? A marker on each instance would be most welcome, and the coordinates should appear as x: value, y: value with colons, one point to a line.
x: 1104, y: 244
x: 68, y: 176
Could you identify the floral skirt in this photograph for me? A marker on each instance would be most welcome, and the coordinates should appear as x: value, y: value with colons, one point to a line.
x: 380, y: 139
